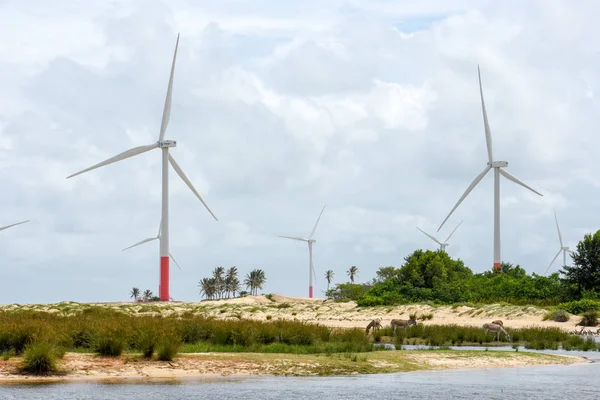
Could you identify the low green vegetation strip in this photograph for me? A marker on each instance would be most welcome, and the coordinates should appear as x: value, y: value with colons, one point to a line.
x: 110, y: 333
x: 450, y: 335
x: 44, y: 337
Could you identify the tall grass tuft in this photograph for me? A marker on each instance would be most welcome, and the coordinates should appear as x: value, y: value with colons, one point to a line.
x: 39, y: 359
x: 110, y: 345
x: 168, y: 348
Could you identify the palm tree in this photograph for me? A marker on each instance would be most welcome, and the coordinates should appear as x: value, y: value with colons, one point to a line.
x: 232, y: 282
x: 135, y: 293
x: 148, y: 295
x: 255, y: 280
x: 208, y: 288
x: 261, y: 279
x: 329, y: 277
x: 220, y: 282
x: 352, y: 272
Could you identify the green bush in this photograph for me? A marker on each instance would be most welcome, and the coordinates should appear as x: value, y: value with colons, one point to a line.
x: 167, y: 349
x: 39, y: 359
x: 110, y: 345
x: 580, y: 306
x: 589, y: 318
x: 557, y: 316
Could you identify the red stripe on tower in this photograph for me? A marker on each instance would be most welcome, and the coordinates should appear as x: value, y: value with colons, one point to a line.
x: 164, y: 279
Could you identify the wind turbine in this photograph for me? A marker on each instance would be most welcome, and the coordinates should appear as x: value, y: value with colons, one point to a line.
x: 164, y: 145
x: 497, y: 166
x: 10, y: 226
x: 310, y: 241
x: 443, y: 244
x: 563, y: 248
x: 157, y: 237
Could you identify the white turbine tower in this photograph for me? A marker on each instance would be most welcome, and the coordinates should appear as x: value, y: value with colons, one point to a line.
x: 164, y: 145
x: 443, y: 244
x: 157, y: 237
x: 310, y: 241
x: 563, y: 248
x: 497, y: 166
x: 10, y: 226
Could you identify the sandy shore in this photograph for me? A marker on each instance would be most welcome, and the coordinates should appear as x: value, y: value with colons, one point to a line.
x: 88, y: 367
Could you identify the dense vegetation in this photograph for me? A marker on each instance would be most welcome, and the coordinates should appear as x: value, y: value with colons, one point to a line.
x: 433, y: 276
x: 109, y: 333
x: 226, y: 284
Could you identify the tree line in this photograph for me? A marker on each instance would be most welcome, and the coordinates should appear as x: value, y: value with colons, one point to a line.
x: 226, y: 284
x: 435, y: 276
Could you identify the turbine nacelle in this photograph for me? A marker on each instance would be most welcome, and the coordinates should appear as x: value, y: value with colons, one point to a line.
x: 166, y: 143
x: 498, y: 164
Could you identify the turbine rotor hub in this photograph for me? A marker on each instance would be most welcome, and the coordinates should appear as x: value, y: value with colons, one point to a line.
x: 167, y: 143
x: 498, y: 164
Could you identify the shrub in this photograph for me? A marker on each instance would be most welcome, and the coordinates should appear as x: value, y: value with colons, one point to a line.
x: 580, y: 306
x: 168, y: 348
x: 39, y: 359
x: 557, y: 316
x: 110, y: 345
x: 589, y: 318
x: 147, y: 343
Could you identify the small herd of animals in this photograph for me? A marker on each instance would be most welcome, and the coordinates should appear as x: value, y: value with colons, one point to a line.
x: 496, y: 327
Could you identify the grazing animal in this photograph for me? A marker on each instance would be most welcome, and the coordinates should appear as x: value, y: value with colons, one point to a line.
x: 402, y: 323
x: 496, y: 329
x: 375, y: 325
x: 498, y: 322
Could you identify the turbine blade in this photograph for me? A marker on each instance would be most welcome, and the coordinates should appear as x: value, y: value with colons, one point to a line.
x: 314, y: 274
x: 571, y: 251
x: 465, y: 194
x: 558, y: 229
x: 124, y: 155
x: 448, y: 238
x: 173, y: 258
x: 11, y: 225
x: 182, y: 175
x: 428, y: 235
x: 139, y: 243
x: 159, y: 228
x: 552, y: 262
x: 488, y: 134
x: 294, y: 238
x: 167, y: 110
x: 317, y: 223
x: 517, y: 181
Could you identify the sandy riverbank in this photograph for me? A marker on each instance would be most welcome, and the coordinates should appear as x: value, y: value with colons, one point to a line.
x: 88, y: 367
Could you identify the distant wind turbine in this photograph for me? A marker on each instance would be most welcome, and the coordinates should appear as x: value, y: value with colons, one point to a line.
x: 563, y: 248
x: 157, y: 237
x: 443, y: 244
x: 310, y: 241
x: 10, y: 226
x: 164, y: 145
x: 497, y: 166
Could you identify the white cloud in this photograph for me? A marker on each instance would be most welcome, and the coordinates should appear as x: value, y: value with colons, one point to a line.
x: 369, y: 106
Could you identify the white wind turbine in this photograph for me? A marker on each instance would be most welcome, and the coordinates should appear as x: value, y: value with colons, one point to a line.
x: 164, y: 145
x: 497, y: 166
x: 310, y: 241
x: 10, y: 226
x: 443, y: 244
x: 563, y: 248
x: 157, y: 237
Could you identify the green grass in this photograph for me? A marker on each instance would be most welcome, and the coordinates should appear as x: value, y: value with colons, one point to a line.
x: 39, y: 359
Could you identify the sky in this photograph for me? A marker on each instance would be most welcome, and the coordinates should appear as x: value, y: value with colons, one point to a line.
x: 279, y: 107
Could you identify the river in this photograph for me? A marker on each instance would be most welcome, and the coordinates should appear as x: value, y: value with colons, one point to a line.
x: 579, y: 381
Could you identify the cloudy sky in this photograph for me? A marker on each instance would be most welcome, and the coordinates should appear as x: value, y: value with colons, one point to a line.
x: 279, y: 107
